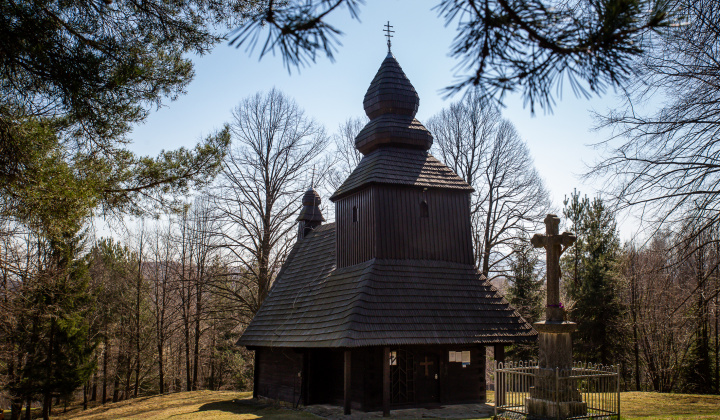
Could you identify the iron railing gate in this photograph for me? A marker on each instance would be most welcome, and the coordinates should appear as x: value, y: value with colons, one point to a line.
x: 524, y: 390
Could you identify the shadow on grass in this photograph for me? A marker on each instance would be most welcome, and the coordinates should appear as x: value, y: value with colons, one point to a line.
x: 233, y: 406
x: 254, y: 408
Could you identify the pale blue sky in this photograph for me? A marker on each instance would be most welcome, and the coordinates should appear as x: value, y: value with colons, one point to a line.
x: 333, y: 92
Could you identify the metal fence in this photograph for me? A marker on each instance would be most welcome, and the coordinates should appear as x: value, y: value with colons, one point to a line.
x: 523, y: 390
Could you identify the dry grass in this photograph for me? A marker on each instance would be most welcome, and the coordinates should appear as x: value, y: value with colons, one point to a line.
x: 226, y: 405
x: 216, y: 405
x: 651, y: 405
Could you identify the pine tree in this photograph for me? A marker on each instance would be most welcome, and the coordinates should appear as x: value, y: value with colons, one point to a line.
x: 574, y: 212
x: 525, y: 293
x: 53, y: 333
x: 597, y: 309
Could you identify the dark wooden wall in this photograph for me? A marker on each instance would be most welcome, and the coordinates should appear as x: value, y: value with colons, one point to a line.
x: 464, y: 384
x: 391, y: 225
x: 455, y: 384
x: 355, y: 241
x: 325, y: 376
x: 444, y: 235
x: 277, y: 371
x: 278, y: 376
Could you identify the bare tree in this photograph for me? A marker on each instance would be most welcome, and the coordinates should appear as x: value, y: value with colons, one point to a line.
x: 663, y: 338
x: 162, y: 254
x: 347, y: 155
x: 274, y: 148
x: 486, y: 151
x: 663, y: 162
x: 185, y: 252
x: 140, y: 255
x: 205, y: 226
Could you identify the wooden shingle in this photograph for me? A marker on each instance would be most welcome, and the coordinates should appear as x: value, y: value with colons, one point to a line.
x: 401, y: 166
x: 379, y: 302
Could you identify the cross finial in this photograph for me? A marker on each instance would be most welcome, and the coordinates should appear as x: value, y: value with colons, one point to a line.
x: 312, y: 180
x: 388, y: 33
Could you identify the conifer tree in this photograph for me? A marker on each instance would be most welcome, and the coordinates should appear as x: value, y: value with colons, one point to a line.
x: 597, y: 309
x: 52, y: 337
x: 574, y: 212
x: 525, y: 293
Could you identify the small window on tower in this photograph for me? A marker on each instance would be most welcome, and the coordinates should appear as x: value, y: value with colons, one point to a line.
x: 424, y: 212
x: 354, y: 214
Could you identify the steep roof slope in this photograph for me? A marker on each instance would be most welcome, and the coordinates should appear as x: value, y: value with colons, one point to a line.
x: 379, y: 302
x: 394, y: 165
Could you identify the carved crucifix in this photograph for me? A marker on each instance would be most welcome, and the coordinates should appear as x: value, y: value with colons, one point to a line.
x: 427, y: 364
x: 554, y: 244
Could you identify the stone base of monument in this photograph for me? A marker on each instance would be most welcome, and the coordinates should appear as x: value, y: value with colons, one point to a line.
x: 540, y: 408
x: 555, y: 342
x: 554, y: 396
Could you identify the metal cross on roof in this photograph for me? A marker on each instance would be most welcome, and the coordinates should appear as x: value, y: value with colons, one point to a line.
x: 388, y: 33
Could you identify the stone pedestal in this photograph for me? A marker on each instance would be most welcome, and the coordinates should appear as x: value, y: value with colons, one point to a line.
x: 553, y: 397
x: 555, y: 341
x: 540, y: 408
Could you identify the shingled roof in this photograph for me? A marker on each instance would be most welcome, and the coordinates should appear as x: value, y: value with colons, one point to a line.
x: 379, y: 302
x: 400, y: 166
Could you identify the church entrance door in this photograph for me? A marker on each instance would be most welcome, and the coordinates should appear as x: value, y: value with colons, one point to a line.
x: 402, y: 383
x: 428, y: 383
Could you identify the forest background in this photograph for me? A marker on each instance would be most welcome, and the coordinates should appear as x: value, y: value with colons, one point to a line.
x: 159, y: 307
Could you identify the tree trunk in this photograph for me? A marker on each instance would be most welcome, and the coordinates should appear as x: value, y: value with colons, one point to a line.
x: 717, y: 341
x: 717, y: 318
x: 487, y: 246
x: 211, y: 383
x: 161, y: 370
x: 198, y: 311
x: 160, y: 327
x: 28, y: 407
x: 138, y: 289
x: 47, y: 396
x: 264, y: 257
x: 15, y: 409
x: 186, y: 295
x: 116, y: 382
x: 105, y: 366
x: 128, y: 374
x: 93, y: 396
x: 633, y: 309
x: 188, y: 379
x: 47, y: 402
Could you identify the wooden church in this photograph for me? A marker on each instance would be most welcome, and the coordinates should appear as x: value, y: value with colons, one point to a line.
x: 383, y: 308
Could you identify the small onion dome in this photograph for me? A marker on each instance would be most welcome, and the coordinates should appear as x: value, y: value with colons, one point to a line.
x: 391, y: 102
x: 311, y: 207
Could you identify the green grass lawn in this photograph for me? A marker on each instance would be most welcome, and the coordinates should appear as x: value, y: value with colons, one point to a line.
x: 216, y: 405
x: 651, y: 405
x: 227, y: 405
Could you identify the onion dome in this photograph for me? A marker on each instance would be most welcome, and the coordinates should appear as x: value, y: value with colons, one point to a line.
x: 311, y: 207
x: 391, y: 103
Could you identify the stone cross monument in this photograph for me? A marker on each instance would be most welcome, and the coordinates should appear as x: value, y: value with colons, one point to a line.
x: 550, y: 398
x: 554, y: 244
